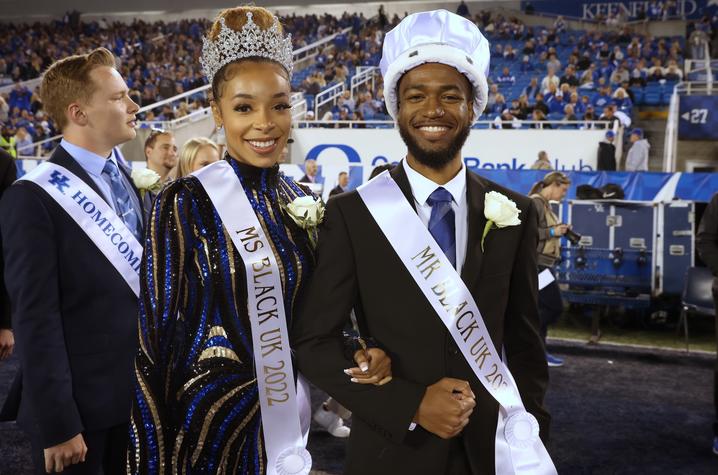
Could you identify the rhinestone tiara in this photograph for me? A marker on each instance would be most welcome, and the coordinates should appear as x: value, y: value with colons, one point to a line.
x: 251, y: 41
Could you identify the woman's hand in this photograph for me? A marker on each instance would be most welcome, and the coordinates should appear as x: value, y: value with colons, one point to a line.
x: 373, y: 367
x: 560, y: 229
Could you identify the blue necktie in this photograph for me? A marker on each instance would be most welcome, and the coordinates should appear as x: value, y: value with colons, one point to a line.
x: 123, y: 203
x: 441, y: 222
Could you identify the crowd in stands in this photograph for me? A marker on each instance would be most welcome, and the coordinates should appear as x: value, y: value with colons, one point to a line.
x: 158, y: 60
x: 542, y: 73
x: 537, y: 72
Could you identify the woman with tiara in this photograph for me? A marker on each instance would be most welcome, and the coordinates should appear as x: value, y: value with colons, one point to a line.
x: 227, y: 252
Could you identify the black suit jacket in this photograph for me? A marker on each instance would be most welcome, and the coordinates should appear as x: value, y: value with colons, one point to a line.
x: 357, y: 268
x: 8, y: 173
x: 74, y: 317
x: 337, y: 190
x: 707, y: 239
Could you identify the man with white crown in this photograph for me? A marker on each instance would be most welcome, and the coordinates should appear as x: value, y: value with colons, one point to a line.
x: 440, y: 266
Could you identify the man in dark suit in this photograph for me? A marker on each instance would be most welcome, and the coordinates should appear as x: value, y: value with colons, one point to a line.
x: 74, y: 315
x: 707, y: 244
x: 310, y: 172
x: 435, y: 417
x: 8, y: 173
x: 342, y: 184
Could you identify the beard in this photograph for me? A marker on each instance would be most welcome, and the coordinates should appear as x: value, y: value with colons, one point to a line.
x: 439, y: 158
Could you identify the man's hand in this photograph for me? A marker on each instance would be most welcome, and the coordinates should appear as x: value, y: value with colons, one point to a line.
x: 68, y: 453
x: 446, y: 407
x: 374, y: 367
x: 7, y: 343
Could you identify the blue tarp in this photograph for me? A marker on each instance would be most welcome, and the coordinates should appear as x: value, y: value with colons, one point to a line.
x: 637, y: 186
x: 642, y: 186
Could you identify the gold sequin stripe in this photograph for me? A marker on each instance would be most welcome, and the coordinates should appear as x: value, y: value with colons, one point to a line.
x: 234, y: 436
x: 149, y: 400
x: 189, y: 383
x: 209, y: 418
x: 178, y: 465
x: 133, y: 427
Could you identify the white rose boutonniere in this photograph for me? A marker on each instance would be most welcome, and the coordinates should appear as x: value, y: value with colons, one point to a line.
x: 146, y: 180
x: 499, y: 211
x: 308, y: 213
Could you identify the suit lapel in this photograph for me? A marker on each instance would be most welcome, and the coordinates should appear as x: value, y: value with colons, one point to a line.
x: 61, y: 157
x: 475, y: 192
x: 399, y: 176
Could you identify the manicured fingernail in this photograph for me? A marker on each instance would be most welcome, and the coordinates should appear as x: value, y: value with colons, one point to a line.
x: 354, y: 380
x: 348, y: 372
x: 364, y: 367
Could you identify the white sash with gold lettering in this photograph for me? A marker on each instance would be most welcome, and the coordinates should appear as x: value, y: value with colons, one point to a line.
x: 273, y: 360
x: 519, y: 450
x: 95, y: 216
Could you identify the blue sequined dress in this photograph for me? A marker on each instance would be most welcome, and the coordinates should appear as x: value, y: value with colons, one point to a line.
x: 195, y: 408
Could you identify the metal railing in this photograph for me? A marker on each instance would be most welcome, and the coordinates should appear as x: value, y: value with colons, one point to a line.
x: 670, y: 143
x: 30, y: 84
x: 328, y: 95
x: 299, y: 106
x: 479, y: 124
x: 364, y: 75
x: 173, y: 124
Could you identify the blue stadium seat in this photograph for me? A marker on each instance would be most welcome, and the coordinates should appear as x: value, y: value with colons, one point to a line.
x: 637, y: 95
x: 652, y: 98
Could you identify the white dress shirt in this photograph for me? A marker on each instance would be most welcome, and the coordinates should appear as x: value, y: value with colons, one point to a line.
x: 422, y: 187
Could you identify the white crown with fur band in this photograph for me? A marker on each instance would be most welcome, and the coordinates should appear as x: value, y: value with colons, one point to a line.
x: 251, y: 41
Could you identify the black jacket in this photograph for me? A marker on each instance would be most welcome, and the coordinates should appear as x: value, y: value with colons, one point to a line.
x: 357, y: 268
x: 337, y: 190
x: 707, y: 239
x: 8, y: 173
x: 74, y: 317
x: 606, y: 156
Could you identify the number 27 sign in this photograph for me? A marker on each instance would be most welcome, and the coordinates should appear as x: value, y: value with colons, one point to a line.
x: 697, y: 118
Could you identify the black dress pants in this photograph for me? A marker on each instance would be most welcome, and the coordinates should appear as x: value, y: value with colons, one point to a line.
x: 106, y: 453
x: 458, y: 463
x: 715, y: 374
x: 550, y: 303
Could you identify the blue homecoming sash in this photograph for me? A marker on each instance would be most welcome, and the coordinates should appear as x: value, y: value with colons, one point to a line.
x: 94, y: 216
